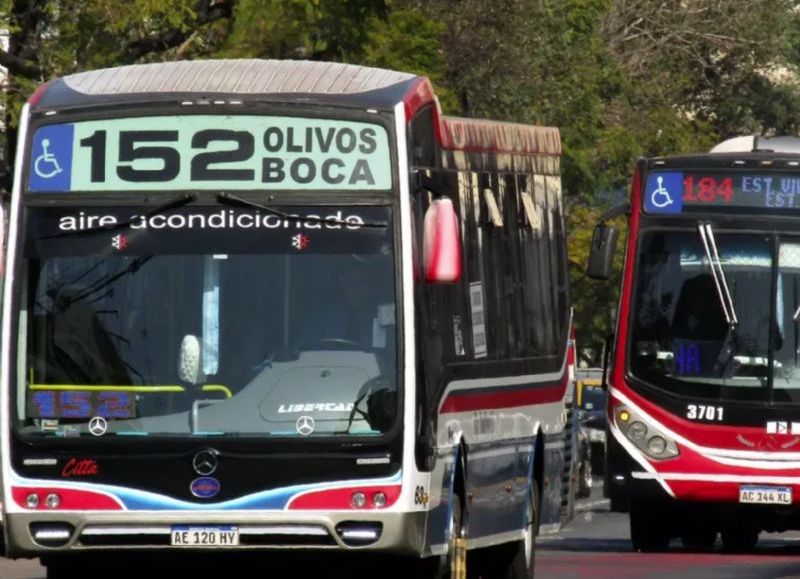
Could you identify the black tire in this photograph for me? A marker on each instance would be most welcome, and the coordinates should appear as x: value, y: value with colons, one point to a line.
x: 650, y: 532
x: 517, y: 560
x: 739, y: 539
x: 618, y: 505
x: 445, y: 567
x: 599, y: 461
x: 701, y: 537
x: 69, y: 567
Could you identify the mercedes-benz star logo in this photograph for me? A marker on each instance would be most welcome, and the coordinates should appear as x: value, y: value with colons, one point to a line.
x: 98, y: 426
x: 304, y: 425
x: 205, y: 462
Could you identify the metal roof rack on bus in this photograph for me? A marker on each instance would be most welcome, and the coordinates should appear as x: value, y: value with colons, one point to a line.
x: 759, y: 144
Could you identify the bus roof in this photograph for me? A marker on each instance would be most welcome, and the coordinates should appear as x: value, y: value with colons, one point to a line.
x: 476, y: 135
x: 366, y: 87
x: 288, y: 81
x: 745, y: 151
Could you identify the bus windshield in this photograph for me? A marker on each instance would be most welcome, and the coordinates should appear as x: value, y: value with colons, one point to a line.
x: 207, y: 320
x: 682, y: 341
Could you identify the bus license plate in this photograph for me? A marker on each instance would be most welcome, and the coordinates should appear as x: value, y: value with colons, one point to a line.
x: 191, y: 536
x: 766, y: 495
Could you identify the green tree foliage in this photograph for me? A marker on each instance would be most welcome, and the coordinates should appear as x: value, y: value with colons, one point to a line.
x: 594, y: 301
x: 710, y: 59
x: 313, y: 29
x: 48, y: 38
x: 408, y: 40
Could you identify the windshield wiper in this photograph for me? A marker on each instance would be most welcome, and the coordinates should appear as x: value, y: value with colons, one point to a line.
x: 179, y: 201
x: 228, y: 199
x: 720, y: 281
x: 723, y: 366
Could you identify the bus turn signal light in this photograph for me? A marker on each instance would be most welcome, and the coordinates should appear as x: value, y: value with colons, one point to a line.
x: 646, y: 436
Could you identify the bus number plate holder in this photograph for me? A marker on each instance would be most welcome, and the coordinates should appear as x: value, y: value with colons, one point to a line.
x: 204, y: 536
x: 765, y: 495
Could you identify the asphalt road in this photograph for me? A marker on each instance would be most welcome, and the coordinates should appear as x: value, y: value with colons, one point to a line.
x: 595, y: 545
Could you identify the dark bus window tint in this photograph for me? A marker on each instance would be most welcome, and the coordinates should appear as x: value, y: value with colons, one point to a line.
x: 681, y: 339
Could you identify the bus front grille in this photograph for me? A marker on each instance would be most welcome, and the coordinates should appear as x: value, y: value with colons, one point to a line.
x: 274, y: 536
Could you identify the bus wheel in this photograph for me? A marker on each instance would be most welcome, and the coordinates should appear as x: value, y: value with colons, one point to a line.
x: 650, y: 530
x: 739, y: 539
x: 68, y: 567
x: 515, y: 561
x: 701, y: 538
x: 451, y: 566
x: 57, y: 571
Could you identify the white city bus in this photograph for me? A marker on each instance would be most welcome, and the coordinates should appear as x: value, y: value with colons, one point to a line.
x: 256, y: 305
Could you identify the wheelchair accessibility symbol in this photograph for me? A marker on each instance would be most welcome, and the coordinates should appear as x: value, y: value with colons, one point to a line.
x: 46, y: 165
x: 660, y: 196
x: 664, y: 192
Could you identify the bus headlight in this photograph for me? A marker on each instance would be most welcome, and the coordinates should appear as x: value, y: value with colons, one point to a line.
x: 53, y: 501
x: 358, y: 500
x: 637, y: 431
x: 647, y: 437
x: 656, y: 445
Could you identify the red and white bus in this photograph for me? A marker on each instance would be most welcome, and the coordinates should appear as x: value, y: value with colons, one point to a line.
x: 264, y: 305
x: 704, y: 388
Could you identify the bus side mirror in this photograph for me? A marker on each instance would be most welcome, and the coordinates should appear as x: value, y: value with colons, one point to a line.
x: 601, y: 255
x: 441, y: 243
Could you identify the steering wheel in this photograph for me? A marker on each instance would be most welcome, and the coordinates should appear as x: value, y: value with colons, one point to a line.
x: 363, y: 395
x: 370, y: 387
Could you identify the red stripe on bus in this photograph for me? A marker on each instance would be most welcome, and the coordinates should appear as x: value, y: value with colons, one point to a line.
x: 617, y: 378
x: 485, y: 399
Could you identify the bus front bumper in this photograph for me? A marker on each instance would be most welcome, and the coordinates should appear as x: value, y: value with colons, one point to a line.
x: 44, y: 534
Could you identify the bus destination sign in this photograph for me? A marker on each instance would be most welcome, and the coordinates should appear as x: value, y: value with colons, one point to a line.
x: 216, y: 152
x: 675, y: 192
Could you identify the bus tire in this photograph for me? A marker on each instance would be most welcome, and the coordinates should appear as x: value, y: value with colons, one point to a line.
x: 739, y: 538
x: 701, y: 538
x: 453, y: 565
x: 57, y: 571
x: 516, y: 560
x: 68, y: 567
x: 650, y: 532
x: 618, y: 505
